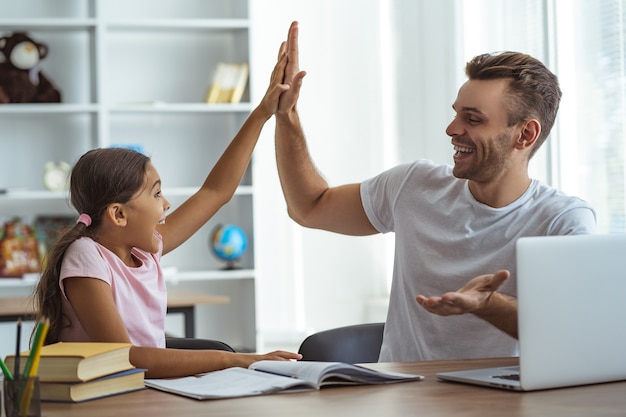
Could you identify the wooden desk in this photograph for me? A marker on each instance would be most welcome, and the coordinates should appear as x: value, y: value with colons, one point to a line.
x: 13, y: 308
x: 185, y: 302
x: 425, y: 398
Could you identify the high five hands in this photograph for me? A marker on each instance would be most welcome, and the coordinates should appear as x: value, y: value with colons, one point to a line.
x: 292, y: 74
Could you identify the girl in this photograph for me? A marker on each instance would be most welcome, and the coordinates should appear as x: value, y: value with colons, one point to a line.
x: 103, y: 282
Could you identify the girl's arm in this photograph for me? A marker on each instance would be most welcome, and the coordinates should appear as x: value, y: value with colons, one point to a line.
x: 222, y: 181
x: 167, y: 363
x: 94, y: 306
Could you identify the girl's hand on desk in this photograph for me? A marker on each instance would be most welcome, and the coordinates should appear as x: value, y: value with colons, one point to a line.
x: 278, y: 355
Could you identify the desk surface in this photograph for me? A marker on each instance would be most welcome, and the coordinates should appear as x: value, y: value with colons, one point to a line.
x: 422, y: 398
x: 177, y: 298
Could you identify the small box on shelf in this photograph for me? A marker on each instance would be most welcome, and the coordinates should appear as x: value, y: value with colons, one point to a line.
x: 19, y: 251
x: 24, y: 244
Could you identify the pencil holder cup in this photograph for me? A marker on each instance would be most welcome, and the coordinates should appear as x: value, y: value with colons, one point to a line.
x: 21, y: 397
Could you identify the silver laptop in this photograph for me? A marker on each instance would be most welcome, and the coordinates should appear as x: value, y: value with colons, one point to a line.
x: 572, y: 315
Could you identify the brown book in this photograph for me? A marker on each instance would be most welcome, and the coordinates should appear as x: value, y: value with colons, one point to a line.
x: 118, y: 383
x: 78, y: 361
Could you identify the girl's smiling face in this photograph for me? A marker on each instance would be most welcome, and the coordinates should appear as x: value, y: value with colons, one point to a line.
x: 145, y: 211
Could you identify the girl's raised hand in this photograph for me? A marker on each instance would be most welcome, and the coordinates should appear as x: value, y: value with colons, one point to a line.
x: 269, y: 103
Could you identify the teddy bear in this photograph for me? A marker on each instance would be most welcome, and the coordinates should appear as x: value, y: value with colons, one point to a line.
x: 21, y: 78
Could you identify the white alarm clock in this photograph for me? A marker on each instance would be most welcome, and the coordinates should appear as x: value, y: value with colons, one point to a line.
x: 56, y: 176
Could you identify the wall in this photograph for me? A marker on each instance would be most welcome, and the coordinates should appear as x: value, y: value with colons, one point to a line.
x: 358, y: 76
x: 381, y: 78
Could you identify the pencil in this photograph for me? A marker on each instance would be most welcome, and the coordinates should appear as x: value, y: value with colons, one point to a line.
x: 25, y: 395
x: 45, y: 325
x: 18, y: 340
x: 31, y: 355
x: 5, y: 370
x: 32, y: 365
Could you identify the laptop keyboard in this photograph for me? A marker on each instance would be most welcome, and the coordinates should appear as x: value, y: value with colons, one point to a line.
x: 510, y: 377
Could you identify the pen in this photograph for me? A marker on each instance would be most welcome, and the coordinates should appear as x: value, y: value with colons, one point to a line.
x: 17, y: 348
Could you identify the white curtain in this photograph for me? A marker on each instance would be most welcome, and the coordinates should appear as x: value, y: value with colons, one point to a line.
x: 583, y: 42
x: 590, y: 57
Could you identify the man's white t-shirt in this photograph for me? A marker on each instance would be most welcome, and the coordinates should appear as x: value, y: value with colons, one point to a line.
x: 443, y: 238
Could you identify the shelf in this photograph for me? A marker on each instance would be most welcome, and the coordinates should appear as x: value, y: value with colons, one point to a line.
x: 162, y: 107
x: 242, y: 190
x: 147, y: 107
x: 136, y: 73
x: 234, y: 274
x: 125, y: 24
x: 144, y: 24
x: 32, y: 195
x: 187, y: 191
x: 171, y: 277
x: 28, y: 282
x: 50, y: 108
x: 48, y: 24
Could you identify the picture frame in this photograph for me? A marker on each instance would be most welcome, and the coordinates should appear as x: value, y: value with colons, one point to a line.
x: 229, y: 83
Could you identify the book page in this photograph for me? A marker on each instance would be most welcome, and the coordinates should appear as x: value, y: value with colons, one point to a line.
x: 358, y: 375
x: 227, y: 383
x: 306, y: 370
x: 321, y: 373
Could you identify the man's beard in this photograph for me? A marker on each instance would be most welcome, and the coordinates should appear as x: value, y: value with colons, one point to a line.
x: 494, y: 161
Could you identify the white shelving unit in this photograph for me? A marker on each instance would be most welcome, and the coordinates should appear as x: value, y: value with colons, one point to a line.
x: 136, y: 72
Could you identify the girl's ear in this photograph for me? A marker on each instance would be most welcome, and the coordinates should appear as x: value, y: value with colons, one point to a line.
x: 116, y: 214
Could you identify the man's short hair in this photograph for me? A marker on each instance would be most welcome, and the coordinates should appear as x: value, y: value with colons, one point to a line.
x: 533, y: 91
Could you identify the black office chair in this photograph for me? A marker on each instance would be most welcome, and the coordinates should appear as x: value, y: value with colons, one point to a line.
x: 192, y: 343
x: 358, y: 343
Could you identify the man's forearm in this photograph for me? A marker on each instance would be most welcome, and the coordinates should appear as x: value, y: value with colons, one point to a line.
x: 301, y: 183
x: 501, y: 311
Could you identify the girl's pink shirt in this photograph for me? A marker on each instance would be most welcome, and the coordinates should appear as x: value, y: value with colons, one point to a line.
x: 138, y: 292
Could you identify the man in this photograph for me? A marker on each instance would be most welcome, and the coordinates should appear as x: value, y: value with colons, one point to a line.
x: 450, y: 223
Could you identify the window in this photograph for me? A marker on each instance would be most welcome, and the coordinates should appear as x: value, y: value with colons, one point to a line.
x: 499, y: 25
x: 583, y: 42
x: 589, y: 55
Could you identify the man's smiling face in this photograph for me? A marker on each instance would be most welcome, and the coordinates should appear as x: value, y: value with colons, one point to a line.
x: 480, y: 133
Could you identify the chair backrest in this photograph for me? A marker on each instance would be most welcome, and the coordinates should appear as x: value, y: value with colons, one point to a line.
x: 191, y: 343
x: 358, y: 343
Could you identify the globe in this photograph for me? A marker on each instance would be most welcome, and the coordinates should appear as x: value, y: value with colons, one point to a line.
x: 228, y: 243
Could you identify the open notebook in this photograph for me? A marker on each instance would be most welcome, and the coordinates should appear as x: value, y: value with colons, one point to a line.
x: 572, y: 313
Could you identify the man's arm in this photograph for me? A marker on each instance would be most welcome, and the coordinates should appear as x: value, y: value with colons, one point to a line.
x: 310, y: 200
x: 478, y: 297
x: 222, y: 181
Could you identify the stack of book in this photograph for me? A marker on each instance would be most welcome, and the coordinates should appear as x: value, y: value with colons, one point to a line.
x: 75, y: 372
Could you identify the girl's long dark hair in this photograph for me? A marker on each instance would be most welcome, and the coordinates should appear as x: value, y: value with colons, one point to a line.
x: 99, y: 178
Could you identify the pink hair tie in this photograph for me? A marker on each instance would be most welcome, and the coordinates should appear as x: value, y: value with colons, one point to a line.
x: 84, y: 219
